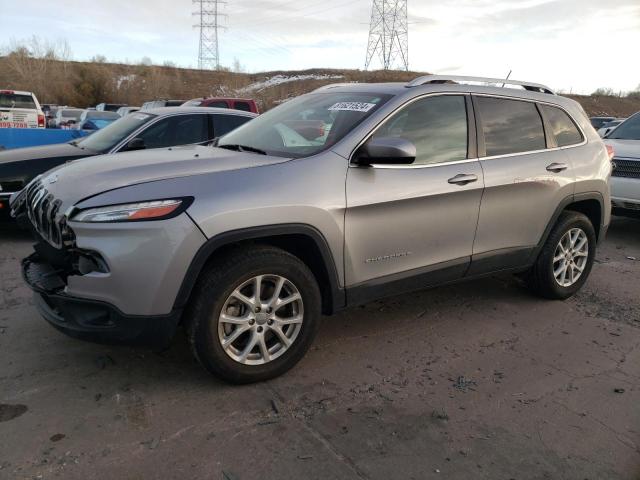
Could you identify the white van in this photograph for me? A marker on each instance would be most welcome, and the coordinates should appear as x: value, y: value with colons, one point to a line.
x: 20, y: 110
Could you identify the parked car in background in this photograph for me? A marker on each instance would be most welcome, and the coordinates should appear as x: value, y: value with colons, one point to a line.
x: 19, y: 109
x: 49, y: 110
x: 157, y: 128
x: 109, y: 107
x: 244, y: 104
x: 598, y: 122
x: 122, y: 111
x: 407, y: 186
x: 95, y: 119
x: 161, y: 103
x: 609, y: 127
x: 67, y: 118
x: 50, y: 117
x: 625, y: 177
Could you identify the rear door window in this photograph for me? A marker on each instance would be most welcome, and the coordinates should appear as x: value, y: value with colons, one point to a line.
x: 562, y: 127
x: 510, y: 126
x: 223, y: 124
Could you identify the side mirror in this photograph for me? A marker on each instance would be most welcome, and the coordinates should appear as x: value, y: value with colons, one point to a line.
x: 386, y: 151
x: 135, y: 144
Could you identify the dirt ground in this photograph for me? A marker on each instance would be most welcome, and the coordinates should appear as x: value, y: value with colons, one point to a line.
x: 477, y: 380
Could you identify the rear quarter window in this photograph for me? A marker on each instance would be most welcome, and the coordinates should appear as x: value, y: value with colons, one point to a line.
x: 563, y: 128
x: 510, y: 126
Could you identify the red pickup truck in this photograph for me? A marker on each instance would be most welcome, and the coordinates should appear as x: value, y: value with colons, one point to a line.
x: 244, y: 104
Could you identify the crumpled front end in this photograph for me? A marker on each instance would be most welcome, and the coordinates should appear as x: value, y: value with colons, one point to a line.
x: 114, y: 282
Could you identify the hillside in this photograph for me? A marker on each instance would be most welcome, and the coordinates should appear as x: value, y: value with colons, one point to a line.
x: 86, y: 84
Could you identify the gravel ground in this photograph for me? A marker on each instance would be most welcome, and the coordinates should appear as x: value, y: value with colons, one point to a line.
x: 476, y: 380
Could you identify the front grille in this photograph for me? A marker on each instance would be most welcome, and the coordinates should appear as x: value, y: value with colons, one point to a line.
x: 624, y: 167
x: 43, y: 210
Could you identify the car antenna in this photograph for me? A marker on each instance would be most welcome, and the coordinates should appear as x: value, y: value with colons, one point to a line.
x: 507, y: 77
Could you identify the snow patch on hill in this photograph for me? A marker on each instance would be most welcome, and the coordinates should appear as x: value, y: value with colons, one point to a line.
x: 280, y: 79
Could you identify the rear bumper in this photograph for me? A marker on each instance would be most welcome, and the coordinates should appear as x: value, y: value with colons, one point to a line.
x: 90, y: 319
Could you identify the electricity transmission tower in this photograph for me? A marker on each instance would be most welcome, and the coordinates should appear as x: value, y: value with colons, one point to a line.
x: 388, y: 35
x: 208, y: 52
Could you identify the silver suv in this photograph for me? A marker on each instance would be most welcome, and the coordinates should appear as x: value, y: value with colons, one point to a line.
x: 338, y: 197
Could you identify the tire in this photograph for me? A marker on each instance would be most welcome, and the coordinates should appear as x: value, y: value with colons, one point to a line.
x: 221, y: 286
x: 542, y: 278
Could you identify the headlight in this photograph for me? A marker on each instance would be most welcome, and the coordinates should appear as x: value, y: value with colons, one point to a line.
x: 153, y: 210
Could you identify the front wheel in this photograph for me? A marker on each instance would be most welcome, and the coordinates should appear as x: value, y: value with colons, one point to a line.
x: 566, y: 258
x: 254, y: 314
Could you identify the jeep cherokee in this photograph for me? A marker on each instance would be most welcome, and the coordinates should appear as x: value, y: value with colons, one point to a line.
x: 347, y: 194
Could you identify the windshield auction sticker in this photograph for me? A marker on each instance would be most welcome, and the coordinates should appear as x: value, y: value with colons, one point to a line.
x: 352, y: 106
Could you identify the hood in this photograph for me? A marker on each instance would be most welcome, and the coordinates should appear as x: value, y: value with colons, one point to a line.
x: 62, y: 150
x: 85, y: 178
x: 625, y: 148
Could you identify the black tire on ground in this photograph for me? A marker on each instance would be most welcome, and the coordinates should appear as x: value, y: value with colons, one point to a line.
x: 216, y: 284
x: 541, y: 278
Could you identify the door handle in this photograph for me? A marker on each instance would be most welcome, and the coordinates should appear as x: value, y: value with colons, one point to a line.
x: 557, y: 167
x: 463, y: 179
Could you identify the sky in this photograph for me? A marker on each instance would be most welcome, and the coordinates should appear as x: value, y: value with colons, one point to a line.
x: 571, y: 45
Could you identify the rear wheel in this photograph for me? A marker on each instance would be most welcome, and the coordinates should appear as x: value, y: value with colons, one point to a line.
x: 566, y: 259
x: 254, y: 314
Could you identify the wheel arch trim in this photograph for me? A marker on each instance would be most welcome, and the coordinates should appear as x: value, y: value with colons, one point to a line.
x: 564, y: 205
x: 337, y: 296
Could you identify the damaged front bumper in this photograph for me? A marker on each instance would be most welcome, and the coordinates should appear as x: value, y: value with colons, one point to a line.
x: 91, y: 319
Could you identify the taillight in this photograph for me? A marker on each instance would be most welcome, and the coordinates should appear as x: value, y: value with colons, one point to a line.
x: 40, y: 120
x: 610, y: 151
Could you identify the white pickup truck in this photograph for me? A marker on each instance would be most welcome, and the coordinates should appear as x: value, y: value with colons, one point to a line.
x: 20, y: 110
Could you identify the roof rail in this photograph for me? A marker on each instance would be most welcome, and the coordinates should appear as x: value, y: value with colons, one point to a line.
x: 439, y: 79
x: 333, y: 85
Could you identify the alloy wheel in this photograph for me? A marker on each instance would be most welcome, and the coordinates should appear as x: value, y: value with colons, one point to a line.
x: 570, y: 257
x: 261, y: 319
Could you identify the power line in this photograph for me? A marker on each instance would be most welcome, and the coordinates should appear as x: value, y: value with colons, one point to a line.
x: 208, y: 50
x: 388, y: 35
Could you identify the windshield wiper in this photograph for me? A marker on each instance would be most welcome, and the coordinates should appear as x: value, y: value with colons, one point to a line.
x: 242, y: 148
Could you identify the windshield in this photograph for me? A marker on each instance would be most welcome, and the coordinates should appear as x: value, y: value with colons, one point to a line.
x: 16, y: 100
x: 107, y: 138
x: 306, y: 125
x: 193, y: 103
x: 627, y: 130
